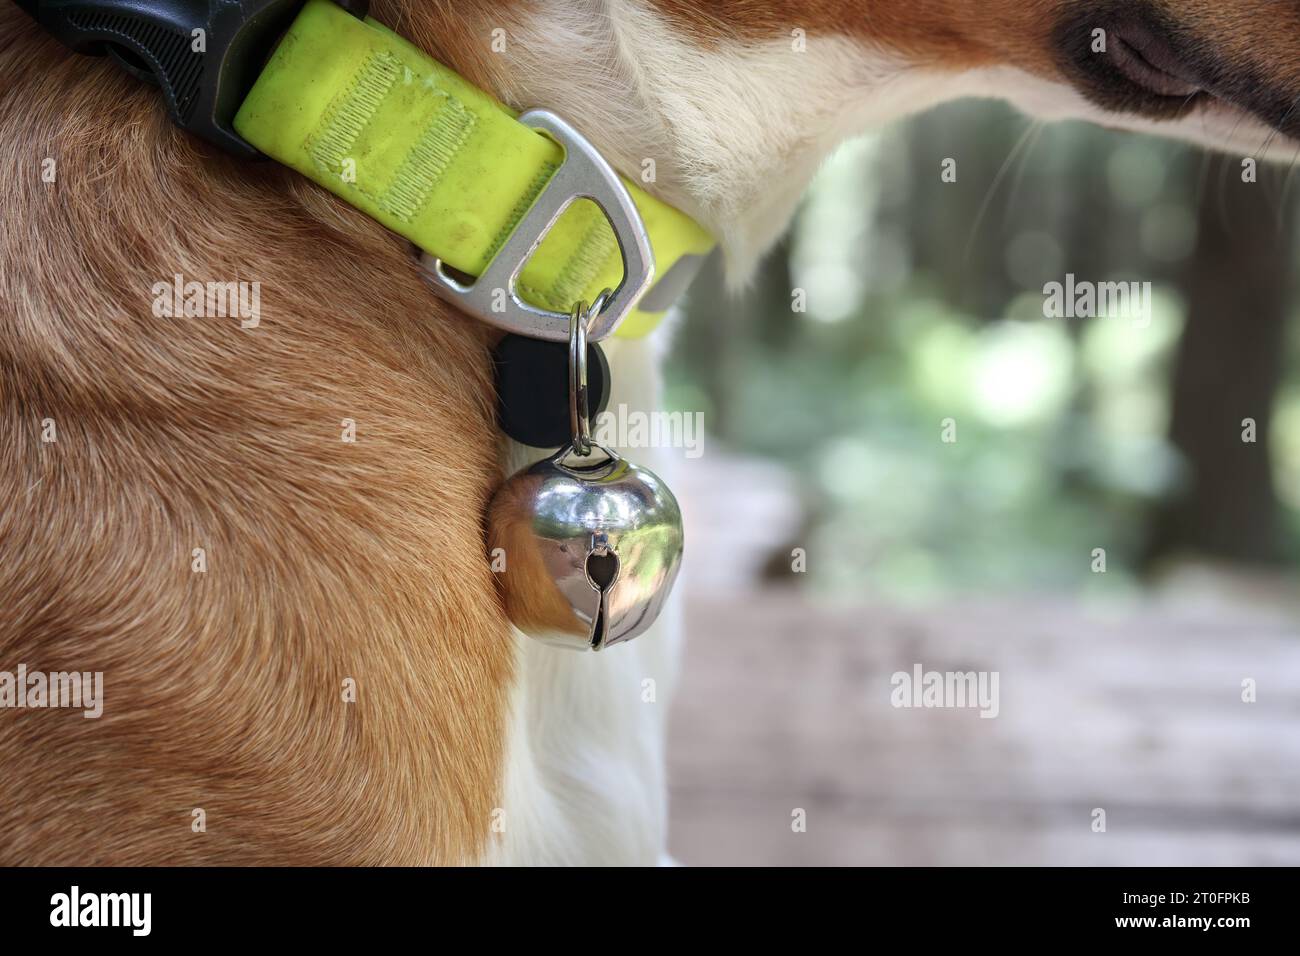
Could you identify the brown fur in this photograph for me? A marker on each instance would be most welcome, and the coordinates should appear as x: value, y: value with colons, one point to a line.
x: 972, y: 33
x: 950, y: 33
x: 326, y: 560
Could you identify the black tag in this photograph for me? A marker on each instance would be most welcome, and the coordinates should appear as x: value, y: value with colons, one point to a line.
x: 532, y: 379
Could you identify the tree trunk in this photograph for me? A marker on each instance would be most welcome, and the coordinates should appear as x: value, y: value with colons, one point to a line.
x: 1229, y: 367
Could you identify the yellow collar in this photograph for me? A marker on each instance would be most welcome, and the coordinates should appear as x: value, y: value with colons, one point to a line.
x: 538, y: 216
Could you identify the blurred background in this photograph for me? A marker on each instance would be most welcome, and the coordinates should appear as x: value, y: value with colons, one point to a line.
x: 836, y: 537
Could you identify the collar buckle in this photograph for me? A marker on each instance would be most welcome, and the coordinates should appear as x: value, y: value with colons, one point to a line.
x: 582, y: 174
x: 203, y: 54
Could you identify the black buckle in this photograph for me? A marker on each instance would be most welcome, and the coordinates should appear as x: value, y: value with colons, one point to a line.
x: 204, y: 77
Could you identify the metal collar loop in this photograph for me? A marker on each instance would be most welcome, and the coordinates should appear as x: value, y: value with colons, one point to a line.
x: 580, y: 319
x: 495, y: 297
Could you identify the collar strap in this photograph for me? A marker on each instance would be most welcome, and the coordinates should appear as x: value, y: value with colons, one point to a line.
x: 359, y: 110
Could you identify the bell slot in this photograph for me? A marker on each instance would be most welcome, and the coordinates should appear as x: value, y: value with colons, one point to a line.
x: 602, y: 572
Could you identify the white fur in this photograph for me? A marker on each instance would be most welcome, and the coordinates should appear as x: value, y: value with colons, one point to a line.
x: 736, y: 132
x: 1215, y: 126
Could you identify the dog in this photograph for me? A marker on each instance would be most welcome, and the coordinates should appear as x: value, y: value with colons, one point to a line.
x: 304, y: 651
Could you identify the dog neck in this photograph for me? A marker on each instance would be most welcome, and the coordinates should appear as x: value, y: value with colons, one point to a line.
x: 729, y: 130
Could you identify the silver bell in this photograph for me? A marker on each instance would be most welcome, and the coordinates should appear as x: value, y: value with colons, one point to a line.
x: 591, y: 545
x: 591, y: 542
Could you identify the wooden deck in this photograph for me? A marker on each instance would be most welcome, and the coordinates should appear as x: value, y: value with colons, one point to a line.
x: 785, y: 705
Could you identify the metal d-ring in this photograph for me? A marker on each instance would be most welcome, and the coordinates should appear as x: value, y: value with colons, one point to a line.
x: 583, y: 174
x: 580, y: 319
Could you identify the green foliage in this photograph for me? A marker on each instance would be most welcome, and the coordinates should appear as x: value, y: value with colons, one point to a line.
x: 917, y: 316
